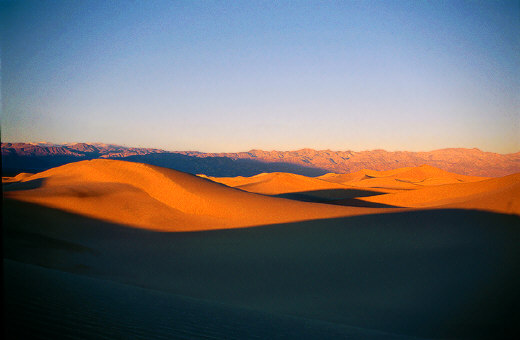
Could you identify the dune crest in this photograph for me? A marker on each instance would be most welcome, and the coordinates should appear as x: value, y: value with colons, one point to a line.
x: 151, y: 197
x: 411, y: 187
x: 18, y: 178
x: 402, y: 178
x: 388, y: 180
x: 495, y: 194
x: 276, y: 183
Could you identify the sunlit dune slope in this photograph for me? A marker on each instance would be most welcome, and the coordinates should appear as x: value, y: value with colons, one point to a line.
x: 413, y: 187
x: 402, y: 178
x: 343, y: 178
x: 20, y: 177
x: 384, y: 181
x: 496, y: 194
x: 157, y: 198
x: 276, y: 183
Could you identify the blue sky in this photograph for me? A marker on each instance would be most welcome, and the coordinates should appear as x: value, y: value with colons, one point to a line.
x: 233, y: 76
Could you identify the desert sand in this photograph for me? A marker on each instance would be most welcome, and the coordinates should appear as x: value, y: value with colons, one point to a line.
x: 401, y: 178
x: 164, y: 199
x: 496, y: 194
x: 18, y: 178
x: 116, y: 249
x: 276, y: 183
x: 419, y: 187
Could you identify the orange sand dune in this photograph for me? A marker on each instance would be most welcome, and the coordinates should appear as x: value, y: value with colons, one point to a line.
x: 157, y: 198
x: 386, y: 181
x: 276, y: 183
x: 361, y: 180
x: 428, y: 272
x: 20, y: 177
x: 496, y: 194
x: 151, y: 197
x: 343, y: 178
x: 402, y: 178
x: 415, y: 187
x: 422, y: 173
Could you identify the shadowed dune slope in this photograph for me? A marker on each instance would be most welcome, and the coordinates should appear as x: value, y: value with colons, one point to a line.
x: 122, y: 311
x: 276, y: 183
x: 157, y: 198
x: 450, y: 274
x: 496, y: 194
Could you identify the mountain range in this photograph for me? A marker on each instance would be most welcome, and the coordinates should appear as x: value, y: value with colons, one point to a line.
x: 34, y: 157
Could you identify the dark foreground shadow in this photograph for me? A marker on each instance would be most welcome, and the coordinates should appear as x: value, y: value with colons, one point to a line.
x: 58, y: 305
x: 433, y: 274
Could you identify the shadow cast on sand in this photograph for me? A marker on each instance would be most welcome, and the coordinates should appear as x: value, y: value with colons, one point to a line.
x: 328, y: 195
x: 438, y: 273
x: 108, y: 309
x: 19, y: 186
x: 345, y: 197
x: 354, y: 202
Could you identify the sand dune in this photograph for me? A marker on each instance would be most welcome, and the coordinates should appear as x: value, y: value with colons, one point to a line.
x: 360, y: 179
x: 420, y: 173
x: 276, y: 183
x: 412, y: 187
x: 402, y: 178
x: 309, y: 270
x: 157, y: 198
x: 20, y: 177
x: 151, y: 197
x: 496, y: 194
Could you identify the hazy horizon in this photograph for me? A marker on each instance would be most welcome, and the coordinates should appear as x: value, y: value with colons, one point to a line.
x: 226, y: 77
x: 253, y: 149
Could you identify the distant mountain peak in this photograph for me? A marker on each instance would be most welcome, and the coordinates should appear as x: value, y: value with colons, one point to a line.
x: 474, y: 162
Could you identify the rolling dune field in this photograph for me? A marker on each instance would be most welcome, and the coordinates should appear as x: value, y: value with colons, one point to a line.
x: 114, y: 249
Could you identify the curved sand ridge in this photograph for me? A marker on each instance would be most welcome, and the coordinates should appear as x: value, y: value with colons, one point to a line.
x: 276, y: 183
x: 401, y: 178
x: 424, y: 187
x: 391, y: 180
x: 20, y: 177
x: 496, y: 194
x: 157, y: 198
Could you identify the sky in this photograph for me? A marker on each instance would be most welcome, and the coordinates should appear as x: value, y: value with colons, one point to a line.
x: 231, y: 76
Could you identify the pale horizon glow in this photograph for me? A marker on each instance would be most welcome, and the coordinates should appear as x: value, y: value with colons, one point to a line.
x: 236, y: 76
x: 244, y: 150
